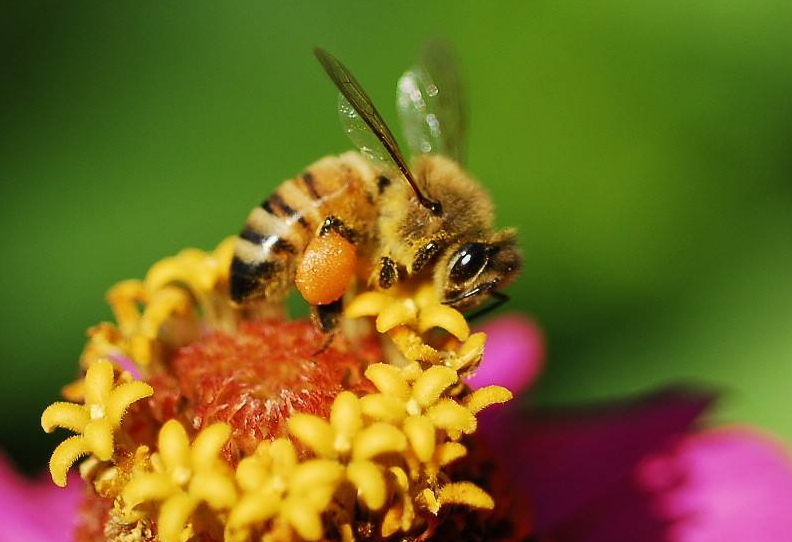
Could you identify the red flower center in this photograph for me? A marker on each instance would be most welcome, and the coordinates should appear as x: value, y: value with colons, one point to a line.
x: 256, y: 378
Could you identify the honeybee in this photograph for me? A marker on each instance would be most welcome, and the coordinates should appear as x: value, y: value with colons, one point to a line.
x: 370, y: 210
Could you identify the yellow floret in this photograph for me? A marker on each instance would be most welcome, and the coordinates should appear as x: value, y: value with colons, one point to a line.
x: 419, y: 310
x: 275, y: 486
x: 417, y: 400
x: 184, y: 477
x: 95, y: 421
x: 346, y: 440
x: 418, y: 405
x: 173, y: 287
x: 384, y: 453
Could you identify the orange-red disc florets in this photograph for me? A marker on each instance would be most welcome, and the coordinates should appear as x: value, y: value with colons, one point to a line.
x: 256, y: 378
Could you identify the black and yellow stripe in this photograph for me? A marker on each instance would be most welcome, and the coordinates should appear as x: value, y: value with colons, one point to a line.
x: 277, y: 232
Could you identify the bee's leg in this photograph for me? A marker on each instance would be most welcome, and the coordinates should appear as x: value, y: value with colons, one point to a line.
x: 424, y: 255
x: 385, y: 273
x: 500, y: 299
x: 333, y: 223
x: 326, y: 319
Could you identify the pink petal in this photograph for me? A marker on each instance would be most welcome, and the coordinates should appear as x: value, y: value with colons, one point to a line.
x: 513, y: 356
x: 577, y: 466
x: 127, y: 364
x: 36, y: 511
x: 725, y: 484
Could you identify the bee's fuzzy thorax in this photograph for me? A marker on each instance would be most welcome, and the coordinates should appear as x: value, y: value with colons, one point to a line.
x: 467, y: 207
x: 405, y: 226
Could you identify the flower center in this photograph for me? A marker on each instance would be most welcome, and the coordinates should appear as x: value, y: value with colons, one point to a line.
x: 258, y: 377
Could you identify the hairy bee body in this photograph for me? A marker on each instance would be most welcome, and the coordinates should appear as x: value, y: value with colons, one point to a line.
x: 411, y: 234
x: 378, y: 219
x: 391, y: 230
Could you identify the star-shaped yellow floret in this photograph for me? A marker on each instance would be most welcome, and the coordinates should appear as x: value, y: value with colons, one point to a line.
x: 184, y: 477
x: 276, y: 486
x: 141, y: 328
x: 199, y: 270
x: 417, y: 309
x: 414, y: 398
x: 354, y: 443
x: 95, y: 421
x: 171, y: 288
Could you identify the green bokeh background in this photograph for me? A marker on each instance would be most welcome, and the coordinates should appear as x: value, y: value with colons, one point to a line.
x: 643, y: 149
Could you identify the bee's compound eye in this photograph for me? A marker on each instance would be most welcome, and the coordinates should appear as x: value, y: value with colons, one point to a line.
x: 468, y: 262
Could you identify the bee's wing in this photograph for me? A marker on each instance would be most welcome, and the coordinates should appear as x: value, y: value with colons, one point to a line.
x: 430, y: 100
x: 361, y: 120
x: 364, y: 139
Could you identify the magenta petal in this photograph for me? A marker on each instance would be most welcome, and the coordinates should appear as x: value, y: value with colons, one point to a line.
x: 726, y: 484
x: 36, y: 511
x: 577, y: 466
x: 513, y: 356
x: 127, y: 364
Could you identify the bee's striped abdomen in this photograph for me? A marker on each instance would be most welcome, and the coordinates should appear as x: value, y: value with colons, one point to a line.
x: 277, y: 232
x: 309, y: 182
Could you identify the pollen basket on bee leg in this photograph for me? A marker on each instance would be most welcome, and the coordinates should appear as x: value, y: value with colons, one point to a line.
x: 326, y: 269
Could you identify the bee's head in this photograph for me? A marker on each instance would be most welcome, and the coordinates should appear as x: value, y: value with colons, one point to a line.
x: 469, y: 272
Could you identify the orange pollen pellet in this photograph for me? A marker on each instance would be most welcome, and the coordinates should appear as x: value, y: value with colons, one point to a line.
x: 326, y: 269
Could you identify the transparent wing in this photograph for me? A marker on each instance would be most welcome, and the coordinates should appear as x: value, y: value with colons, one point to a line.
x: 364, y: 139
x: 357, y: 101
x: 431, y: 104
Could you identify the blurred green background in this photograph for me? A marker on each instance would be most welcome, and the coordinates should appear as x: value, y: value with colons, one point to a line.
x: 643, y: 149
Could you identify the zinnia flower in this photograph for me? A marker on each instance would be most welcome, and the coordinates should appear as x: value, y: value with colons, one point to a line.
x: 205, y: 421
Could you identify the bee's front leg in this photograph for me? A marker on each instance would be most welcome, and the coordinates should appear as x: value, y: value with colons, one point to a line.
x: 385, y: 273
x: 326, y: 317
x: 335, y: 224
x: 425, y: 254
